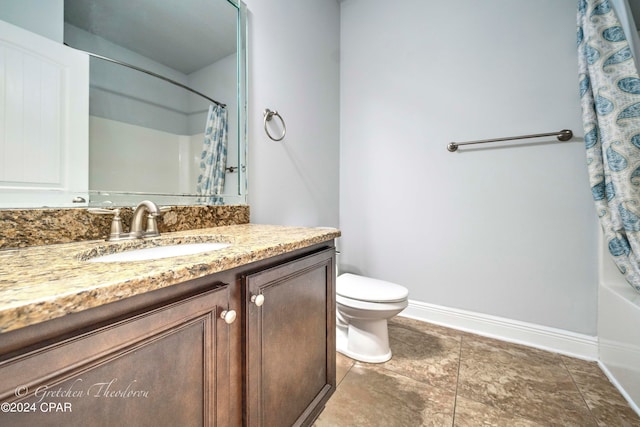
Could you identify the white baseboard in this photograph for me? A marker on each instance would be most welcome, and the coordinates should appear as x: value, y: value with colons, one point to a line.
x: 542, y: 337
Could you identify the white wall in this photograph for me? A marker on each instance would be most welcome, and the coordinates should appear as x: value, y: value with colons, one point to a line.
x: 120, y: 93
x: 294, y: 69
x: 125, y: 156
x: 220, y: 80
x: 44, y: 17
x: 504, y: 229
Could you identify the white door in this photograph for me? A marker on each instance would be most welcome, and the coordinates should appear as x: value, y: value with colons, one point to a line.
x: 44, y: 121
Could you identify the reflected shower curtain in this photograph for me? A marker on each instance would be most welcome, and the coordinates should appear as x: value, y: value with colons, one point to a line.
x: 213, y: 161
x: 610, y: 99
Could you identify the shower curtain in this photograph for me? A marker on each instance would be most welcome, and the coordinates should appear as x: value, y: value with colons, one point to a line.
x: 610, y: 99
x: 213, y: 160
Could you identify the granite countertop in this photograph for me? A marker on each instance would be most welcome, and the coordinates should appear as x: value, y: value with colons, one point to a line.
x: 44, y: 282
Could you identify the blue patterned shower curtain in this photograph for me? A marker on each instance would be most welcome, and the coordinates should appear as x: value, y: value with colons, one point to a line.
x: 610, y: 99
x: 213, y: 161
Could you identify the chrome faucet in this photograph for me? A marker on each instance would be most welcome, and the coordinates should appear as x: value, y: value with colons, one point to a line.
x: 152, y: 210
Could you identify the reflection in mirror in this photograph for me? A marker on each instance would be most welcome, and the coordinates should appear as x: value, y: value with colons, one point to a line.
x: 147, y: 135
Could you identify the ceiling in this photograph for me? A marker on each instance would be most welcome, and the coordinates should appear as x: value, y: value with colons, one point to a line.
x: 185, y: 35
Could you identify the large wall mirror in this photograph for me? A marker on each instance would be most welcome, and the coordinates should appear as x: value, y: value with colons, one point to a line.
x: 147, y: 134
x: 164, y: 76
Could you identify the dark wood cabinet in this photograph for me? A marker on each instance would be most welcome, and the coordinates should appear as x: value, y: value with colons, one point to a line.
x: 290, y: 341
x: 166, y: 366
x: 170, y: 357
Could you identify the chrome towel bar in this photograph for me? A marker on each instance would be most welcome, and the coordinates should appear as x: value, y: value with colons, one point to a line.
x: 563, y: 135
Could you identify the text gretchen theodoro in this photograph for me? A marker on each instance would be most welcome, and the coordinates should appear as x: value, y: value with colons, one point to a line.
x: 77, y: 389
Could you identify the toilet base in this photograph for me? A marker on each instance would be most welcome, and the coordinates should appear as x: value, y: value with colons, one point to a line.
x: 366, y: 341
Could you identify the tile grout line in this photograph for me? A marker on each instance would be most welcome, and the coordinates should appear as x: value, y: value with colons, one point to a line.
x: 346, y: 373
x: 573, y: 380
x: 455, y: 396
x: 517, y: 414
x: 487, y: 408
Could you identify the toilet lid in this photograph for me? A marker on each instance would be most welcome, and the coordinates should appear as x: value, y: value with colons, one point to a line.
x: 367, y: 289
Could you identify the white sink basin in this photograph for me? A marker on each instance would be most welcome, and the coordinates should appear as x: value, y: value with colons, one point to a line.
x: 158, y: 252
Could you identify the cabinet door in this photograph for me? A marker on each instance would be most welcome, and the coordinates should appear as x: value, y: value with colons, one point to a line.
x: 165, y: 367
x: 290, y: 342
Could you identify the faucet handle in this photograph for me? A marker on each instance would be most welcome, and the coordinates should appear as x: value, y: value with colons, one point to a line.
x: 152, y: 223
x: 116, y: 223
x: 103, y: 211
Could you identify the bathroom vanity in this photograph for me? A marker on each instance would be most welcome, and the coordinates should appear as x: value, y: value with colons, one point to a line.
x: 240, y: 336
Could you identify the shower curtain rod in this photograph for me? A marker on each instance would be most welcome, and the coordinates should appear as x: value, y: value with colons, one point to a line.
x: 563, y: 135
x: 151, y: 73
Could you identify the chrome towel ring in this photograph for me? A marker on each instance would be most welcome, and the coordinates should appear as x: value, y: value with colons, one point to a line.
x: 268, y: 115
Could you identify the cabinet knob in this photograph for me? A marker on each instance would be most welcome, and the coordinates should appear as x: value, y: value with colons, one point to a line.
x: 229, y: 316
x: 257, y: 299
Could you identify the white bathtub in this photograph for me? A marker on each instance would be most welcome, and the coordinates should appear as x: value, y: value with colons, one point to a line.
x: 619, y: 329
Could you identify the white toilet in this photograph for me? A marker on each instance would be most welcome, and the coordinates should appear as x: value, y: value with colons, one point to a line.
x: 363, y: 306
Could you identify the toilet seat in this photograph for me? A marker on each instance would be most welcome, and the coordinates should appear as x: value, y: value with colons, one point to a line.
x: 371, y: 306
x: 366, y: 289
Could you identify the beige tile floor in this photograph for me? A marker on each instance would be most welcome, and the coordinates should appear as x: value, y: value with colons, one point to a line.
x: 444, y: 377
